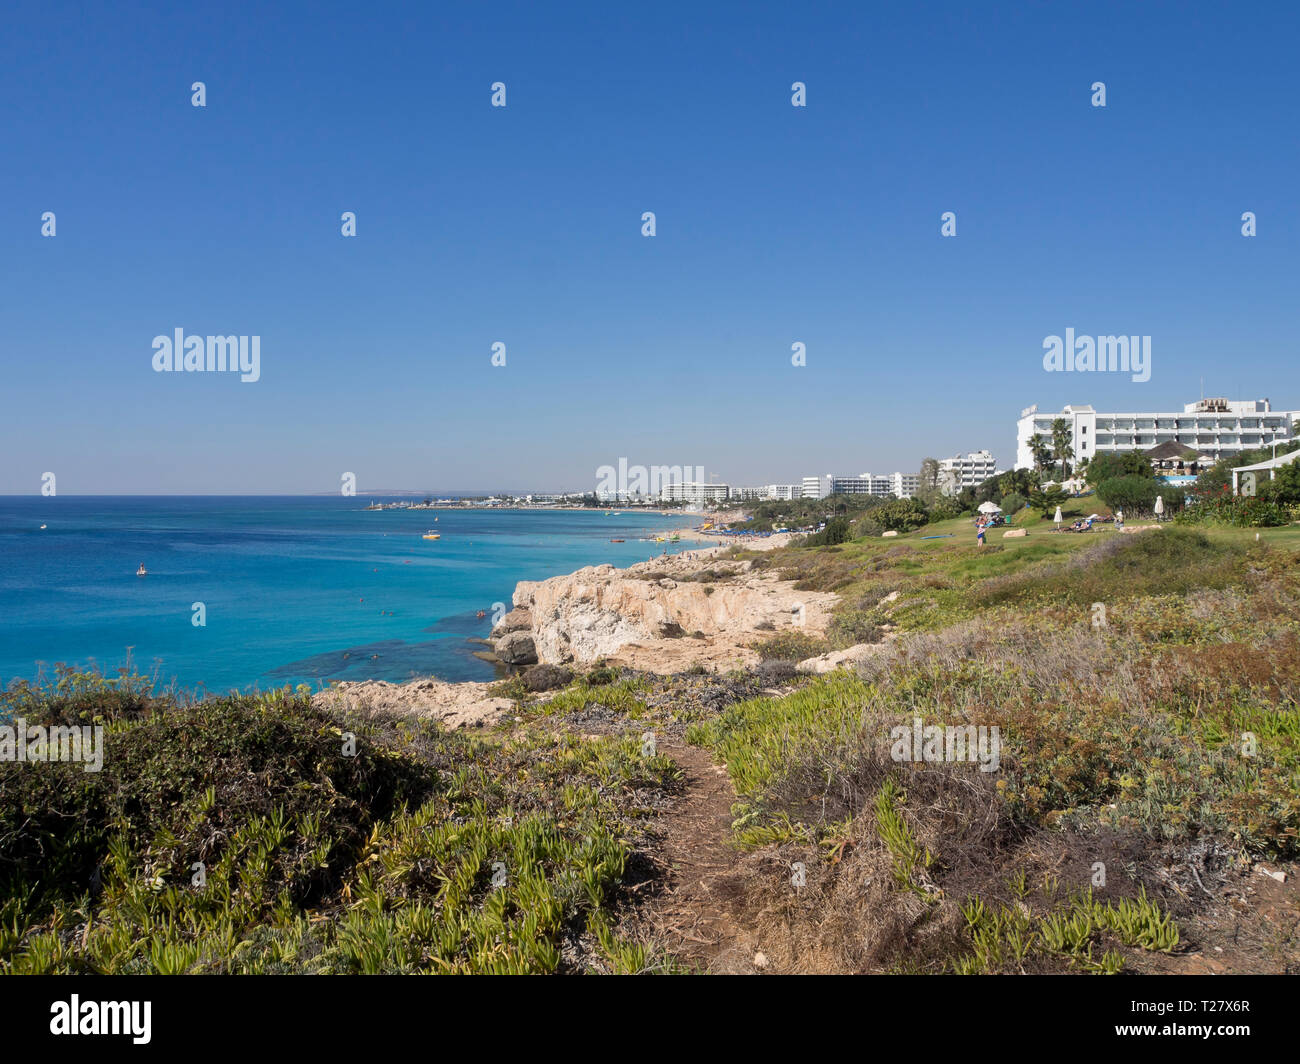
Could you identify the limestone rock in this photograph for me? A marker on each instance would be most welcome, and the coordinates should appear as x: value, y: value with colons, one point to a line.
x: 838, y: 659
x: 454, y: 705
x: 516, y: 620
x: 517, y: 648
x: 639, y: 616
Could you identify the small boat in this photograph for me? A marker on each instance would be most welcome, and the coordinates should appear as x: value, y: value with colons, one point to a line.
x: 142, y: 571
x: 431, y: 534
x: 42, y: 526
x: 481, y: 613
x: 618, y: 541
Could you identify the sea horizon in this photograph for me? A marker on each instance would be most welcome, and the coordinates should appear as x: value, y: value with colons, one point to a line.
x: 257, y: 591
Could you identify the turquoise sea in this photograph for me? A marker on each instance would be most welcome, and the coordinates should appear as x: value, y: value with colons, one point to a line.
x: 294, y: 589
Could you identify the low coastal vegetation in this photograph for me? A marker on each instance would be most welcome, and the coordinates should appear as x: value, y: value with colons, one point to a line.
x: 259, y: 834
x: 1144, y: 690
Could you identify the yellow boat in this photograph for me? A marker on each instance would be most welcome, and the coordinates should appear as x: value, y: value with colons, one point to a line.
x: 431, y: 535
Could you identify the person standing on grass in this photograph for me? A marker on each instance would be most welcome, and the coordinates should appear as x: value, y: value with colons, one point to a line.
x: 1119, y: 520
x: 979, y: 533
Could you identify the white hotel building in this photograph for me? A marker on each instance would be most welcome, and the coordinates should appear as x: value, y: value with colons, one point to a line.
x: 816, y: 487
x: 1215, y: 427
x: 880, y: 485
x: 768, y: 493
x: 694, y: 493
x: 862, y: 484
x: 966, y: 471
x: 904, y: 485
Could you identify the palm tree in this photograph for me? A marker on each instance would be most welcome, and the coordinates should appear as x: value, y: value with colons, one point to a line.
x: 1042, y: 454
x: 1061, y: 443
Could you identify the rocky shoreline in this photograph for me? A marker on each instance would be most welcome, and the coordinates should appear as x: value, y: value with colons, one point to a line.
x: 663, y: 615
x: 697, y: 609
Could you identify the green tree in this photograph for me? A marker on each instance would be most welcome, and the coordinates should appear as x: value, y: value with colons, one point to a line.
x: 1046, y: 500
x: 1137, y: 495
x: 1123, y: 464
x: 1284, y: 488
x: 1062, y: 445
x: 1013, y: 503
x: 902, y: 515
x: 928, y: 478
x: 1042, y: 454
x: 836, y: 531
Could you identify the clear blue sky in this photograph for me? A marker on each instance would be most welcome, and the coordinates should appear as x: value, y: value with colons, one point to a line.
x: 478, y: 224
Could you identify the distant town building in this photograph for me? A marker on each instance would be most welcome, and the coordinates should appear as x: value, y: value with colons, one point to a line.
x: 766, y: 493
x: 965, y: 471
x: 815, y: 487
x: 1216, y: 428
x: 879, y: 485
x: 904, y: 485
x: 694, y: 493
x: 862, y: 484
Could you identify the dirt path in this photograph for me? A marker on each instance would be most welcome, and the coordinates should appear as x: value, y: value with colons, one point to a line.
x: 695, y: 914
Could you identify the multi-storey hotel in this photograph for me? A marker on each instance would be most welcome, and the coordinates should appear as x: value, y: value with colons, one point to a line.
x: 694, y: 493
x: 1213, y: 427
x: 904, y: 485
x: 966, y: 471
x: 767, y: 493
x: 862, y: 484
x: 816, y: 487
x: 880, y: 485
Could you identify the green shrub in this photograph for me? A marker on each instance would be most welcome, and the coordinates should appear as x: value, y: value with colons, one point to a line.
x: 421, y: 851
x: 791, y: 645
x: 1137, y: 495
x: 836, y: 531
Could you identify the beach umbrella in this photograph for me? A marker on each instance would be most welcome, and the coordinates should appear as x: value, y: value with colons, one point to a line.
x: 1160, y: 505
x: 1059, y: 517
x: 990, y: 508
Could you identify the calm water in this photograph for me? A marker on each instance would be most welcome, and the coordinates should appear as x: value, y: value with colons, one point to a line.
x: 295, y: 589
